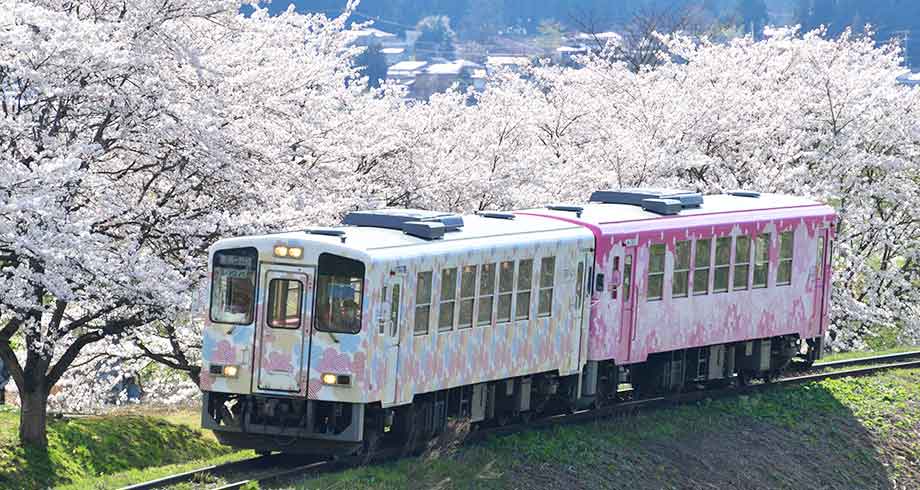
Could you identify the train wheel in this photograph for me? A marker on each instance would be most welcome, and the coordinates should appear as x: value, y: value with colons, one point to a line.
x: 373, y: 433
x: 411, y: 429
x: 745, y: 377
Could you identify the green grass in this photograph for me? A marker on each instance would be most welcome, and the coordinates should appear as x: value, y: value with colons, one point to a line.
x: 83, y: 448
x: 841, y: 356
x: 843, y: 433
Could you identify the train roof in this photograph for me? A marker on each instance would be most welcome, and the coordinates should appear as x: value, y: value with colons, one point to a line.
x: 599, y: 213
x: 392, y: 232
x: 477, y: 230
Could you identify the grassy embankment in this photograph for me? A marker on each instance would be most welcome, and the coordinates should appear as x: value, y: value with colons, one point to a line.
x: 860, y: 432
x: 129, y: 447
x: 853, y: 433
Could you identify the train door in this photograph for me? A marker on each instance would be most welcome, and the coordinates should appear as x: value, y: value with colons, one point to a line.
x: 821, y: 270
x: 285, y: 317
x: 392, y: 330
x: 628, y: 294
x: 583, y: 275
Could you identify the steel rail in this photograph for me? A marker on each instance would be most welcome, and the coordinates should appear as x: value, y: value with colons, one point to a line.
x: 616, y: 408
x: 186, y: 476
x: 867, y: 360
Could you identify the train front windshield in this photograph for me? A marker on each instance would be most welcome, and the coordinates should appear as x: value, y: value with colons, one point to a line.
x: 339, y: 292
x: 233, y: 284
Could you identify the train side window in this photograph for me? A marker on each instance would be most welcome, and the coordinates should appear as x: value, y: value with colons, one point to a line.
x: 467, y: 295
x: 723, y: 263
x: 285, y: 297
x: 394, y: 310
x: 580, y: 285
x: 786, y: 246
x: 448, y: 299
x: 701, y: 266
x: 761, y: 260
x: 505, y: 291
x: 655, y: 271
x: 547, y: 279
x: 627, y: 276
x: 742, y: 262
x: 819, y: 260
x: 524, y: 286
x: 486, y: 295
x: 423, y: 303
x: 681, y: 279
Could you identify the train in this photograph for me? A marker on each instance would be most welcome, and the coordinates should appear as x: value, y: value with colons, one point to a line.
x: 339, y: 340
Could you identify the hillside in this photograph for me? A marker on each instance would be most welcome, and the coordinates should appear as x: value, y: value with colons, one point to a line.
x: 839, y: 434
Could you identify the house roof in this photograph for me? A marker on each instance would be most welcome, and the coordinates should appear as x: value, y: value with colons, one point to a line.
x: 406, y: 66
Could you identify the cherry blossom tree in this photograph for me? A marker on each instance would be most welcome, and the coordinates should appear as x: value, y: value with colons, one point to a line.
x: 794, y: 113
x: 135, y: 134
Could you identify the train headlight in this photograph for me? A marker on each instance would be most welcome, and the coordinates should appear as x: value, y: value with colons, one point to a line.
x: 284, y: 251
x: 336, y: 379
x: 231, y: 371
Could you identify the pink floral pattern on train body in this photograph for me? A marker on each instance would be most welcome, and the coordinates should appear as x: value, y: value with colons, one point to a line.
x: 394, y: 370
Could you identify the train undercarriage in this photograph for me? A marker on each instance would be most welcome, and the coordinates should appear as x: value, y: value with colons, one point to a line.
x: 296, y: 425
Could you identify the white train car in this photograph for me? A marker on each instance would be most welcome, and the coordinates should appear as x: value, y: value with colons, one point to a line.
x: 316, y: 338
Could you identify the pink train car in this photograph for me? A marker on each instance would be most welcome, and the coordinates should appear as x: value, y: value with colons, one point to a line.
x: 339, y: 340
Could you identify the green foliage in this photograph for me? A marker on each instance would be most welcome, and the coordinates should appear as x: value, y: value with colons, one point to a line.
x: 87, y: 447
x: 550, y: 34
x: 373, y: 65
x: 437, y: 38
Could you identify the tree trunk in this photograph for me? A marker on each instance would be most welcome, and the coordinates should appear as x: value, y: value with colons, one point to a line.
x: 32, y: 418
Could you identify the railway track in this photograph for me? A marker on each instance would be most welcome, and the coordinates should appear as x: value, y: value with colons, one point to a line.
x: 265, y: 469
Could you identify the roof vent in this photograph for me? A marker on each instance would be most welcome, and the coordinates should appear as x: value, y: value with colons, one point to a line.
x: 394, y: 218
x: 495, y: 214
x: 662, y: 206
x: 424, y: 229
x: 325, y: 231
x: 635, y: 196
x: 744, y: 193
x: 567, y: 207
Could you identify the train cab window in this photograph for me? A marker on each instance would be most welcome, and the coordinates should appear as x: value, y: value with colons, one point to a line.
x: 486, y: 295
x: 819, y: 259
x: 680, y: 283
x: 448, y: 299
x: 505, y: 290
x: 285, y: 297
x: 467, y: 296
x: 742, y: 262
x: 547, y: 278
x: 761, y: 260
x: 233, y: 282
x: 339, y: 292
x: 655, y: 271
x: 525, y: 285
x: 422, y: 303
x: 722, y: 265
x: 701, y: 263
x: 786, y: 246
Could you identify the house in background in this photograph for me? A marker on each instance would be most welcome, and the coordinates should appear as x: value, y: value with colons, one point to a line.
x: 513, y: 63
x: 910, y: 79
x: 439, y: 77
x: 566, y: 55
x: 394, y: 55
